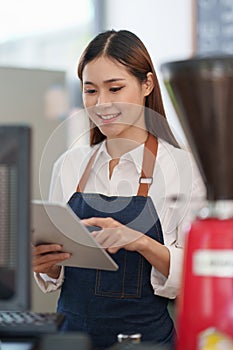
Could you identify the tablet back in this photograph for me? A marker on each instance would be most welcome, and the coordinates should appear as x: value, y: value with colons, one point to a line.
x: 57, y: 223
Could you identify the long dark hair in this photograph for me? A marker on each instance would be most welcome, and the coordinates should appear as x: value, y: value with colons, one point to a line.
x: 126, y: 48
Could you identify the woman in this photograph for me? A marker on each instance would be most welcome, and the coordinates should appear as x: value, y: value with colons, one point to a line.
x: 124, y: 184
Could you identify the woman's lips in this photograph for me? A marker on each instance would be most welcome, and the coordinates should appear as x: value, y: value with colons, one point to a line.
x: 108, y: 118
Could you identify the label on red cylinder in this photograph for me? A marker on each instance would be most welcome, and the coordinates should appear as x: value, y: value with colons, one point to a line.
x: 212, y: 339
x: 213, y: 262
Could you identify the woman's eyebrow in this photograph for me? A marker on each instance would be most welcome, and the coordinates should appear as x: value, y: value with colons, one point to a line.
x: 113, y: 80
x: 88, y: 83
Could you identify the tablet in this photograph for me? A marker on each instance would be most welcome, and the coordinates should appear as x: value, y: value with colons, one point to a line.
x: 57, y: 223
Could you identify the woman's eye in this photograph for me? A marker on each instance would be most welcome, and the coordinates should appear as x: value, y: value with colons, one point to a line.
x: 115, y: 89
x: 89, y: 91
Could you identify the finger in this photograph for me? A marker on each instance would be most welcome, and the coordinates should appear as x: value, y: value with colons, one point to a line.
x: 46, y: 248
x: 102, y: 222
x: 107, y: 238
x: 91, y: 221
x: 113, y: 250
x: 87, y: 222
x: 51, y: 259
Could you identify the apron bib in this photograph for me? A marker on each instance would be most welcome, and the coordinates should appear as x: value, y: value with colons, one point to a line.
x: 106, y: 303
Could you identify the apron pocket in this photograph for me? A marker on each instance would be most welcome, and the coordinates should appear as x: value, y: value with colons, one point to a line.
x: 125, y: 282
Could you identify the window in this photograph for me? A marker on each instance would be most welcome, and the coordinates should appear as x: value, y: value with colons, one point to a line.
x: 44, y: 34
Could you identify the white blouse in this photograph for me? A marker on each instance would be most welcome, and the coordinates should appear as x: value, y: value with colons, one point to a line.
x: 177, y: 192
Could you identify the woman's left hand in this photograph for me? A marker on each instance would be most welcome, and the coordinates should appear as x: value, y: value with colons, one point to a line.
x: 114, y: 235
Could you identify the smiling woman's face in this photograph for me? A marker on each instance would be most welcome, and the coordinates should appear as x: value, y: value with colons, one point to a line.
x: 113, y: 98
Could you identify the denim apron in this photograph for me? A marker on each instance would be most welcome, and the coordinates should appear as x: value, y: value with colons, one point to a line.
x: 106, y: 303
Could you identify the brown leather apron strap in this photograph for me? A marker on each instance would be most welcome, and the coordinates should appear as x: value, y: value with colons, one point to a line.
x: 149, y: 156
x: 146, y: 178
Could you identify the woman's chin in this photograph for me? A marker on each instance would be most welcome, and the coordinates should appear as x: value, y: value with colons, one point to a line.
x: 110, y: 130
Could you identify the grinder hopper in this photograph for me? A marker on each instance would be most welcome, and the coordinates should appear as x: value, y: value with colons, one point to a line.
x: 201, y: 90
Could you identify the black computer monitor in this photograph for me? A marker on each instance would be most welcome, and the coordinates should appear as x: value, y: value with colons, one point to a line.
x: 15, y: 266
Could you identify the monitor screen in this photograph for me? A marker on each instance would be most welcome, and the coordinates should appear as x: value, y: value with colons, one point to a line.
x: 15, y: 253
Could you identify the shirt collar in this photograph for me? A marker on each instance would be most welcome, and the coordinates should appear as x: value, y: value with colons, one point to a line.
x: 135, y: 156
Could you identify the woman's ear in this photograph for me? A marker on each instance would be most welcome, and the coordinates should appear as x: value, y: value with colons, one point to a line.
x: 148, y: 84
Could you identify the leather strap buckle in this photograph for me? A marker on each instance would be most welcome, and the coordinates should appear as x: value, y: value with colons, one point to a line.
x: 146, y: 180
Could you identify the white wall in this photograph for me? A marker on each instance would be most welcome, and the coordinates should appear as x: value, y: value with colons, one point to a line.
x: 165, y: 27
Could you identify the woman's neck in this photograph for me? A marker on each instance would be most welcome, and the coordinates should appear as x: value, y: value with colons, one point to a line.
x: 118, y: 146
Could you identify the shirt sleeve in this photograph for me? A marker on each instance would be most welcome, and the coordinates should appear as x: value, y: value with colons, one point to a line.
x: 48, y: 284
x: 56, y: 192
x: 169, y: 287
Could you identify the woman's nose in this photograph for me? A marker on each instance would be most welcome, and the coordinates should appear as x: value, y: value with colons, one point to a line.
x: 103, y: 100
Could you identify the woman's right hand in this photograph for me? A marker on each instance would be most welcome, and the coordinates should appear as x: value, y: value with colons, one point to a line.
x: 46, y: 256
